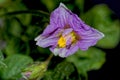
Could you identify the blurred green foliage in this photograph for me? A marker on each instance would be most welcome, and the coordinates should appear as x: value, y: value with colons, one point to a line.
x: 63, y: 71
x: 15, y: 64
x: 19, y: 25
x: 100, y: 18
x: 2, y: 64
x: 91, y: 59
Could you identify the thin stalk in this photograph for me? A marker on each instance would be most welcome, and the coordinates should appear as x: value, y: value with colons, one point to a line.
x: 34, y: 12
x: 49, y: 58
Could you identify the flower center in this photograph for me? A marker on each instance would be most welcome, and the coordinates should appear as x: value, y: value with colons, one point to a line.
x: 62, y: 42
x: 66, y: 40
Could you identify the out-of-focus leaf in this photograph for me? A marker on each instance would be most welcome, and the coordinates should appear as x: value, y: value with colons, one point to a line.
x: 1, y: 56
x: 1, y: 22
x: 63, y: 71
x: 12, y: 27
x: 100, y: 18
x: 92, y: 59
x: 2, y: 2
x: 33, y: 29
x: 112, y: 36
x: 2, y: 64
x: 50, y: 4
x: 80, y: 4
x: 24, y: 18
x: 15, y: 28
x: 48, y: 75
x: 10, y: 5
x: 15, y: 6
x: 15, y: 64
x: 13, y: 46
x: 2, y: 44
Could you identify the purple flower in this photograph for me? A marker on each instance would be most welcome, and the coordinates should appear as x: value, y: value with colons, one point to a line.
x: 67, y: 33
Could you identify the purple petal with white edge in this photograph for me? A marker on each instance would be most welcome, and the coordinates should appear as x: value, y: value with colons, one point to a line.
x: 60, y: 51
x: 65, y: 52
x: 55, y: 50
x: 89, y: 38
x: 52, y: 35
x: 49, y: 29
x: 46, y: 41
x: 60, y: 16
x: 92, y: 34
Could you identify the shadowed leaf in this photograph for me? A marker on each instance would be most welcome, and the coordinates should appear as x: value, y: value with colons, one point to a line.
x: 15, y: 64
x: 92, y: 59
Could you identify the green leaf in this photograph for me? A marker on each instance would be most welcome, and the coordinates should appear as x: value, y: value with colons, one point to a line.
x: 92, y: 59
x: 15, y: 64
x: 112, y: 36
x: 100, y: 18
x: 63, y: 71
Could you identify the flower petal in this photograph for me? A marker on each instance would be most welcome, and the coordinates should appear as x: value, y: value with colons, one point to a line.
x: 49, y: 29
x: 60, y: 51
x: 60, y: 16
x: 92, y: 34
x: 46, y: 41
x: 65, y: 52
x: 89, y: 38
x: 85, y: 45
x: 72, y: 49
x: 67, y: 31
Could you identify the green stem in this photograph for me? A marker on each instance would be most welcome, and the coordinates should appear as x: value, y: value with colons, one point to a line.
x: 86, y: 76
x: 34, y: 12
x: 49, y: 58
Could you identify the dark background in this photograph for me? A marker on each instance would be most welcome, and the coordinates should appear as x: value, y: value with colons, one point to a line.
x: 111, y: 69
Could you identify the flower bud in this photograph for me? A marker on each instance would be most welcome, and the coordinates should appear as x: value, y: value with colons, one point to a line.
x: 35, y: 71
